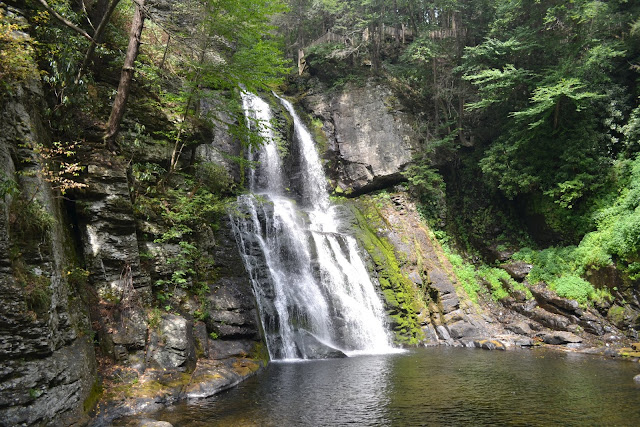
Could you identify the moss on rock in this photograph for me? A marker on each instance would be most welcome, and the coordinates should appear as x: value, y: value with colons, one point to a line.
x: 401, y: 301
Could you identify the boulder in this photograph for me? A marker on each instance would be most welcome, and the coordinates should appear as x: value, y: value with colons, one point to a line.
x: 462, y: 328
x: 171, y: 344
x: 489, y: 345
x: 560, y: 337
x: 154, y: 423
x: 520, y: 328
x: 518, y: 270
x: 312, y: 348
x: 548, y: 300
x: 222, y: 349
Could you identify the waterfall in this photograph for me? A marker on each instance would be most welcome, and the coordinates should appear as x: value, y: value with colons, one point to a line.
x: 315, y: 296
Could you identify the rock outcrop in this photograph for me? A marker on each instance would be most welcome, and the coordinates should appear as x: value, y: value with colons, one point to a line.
x: 47, y: 361
x: 369, y: 137
x: 417, y: 281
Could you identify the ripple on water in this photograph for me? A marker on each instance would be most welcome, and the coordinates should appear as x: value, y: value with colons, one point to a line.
x: 434, y: 386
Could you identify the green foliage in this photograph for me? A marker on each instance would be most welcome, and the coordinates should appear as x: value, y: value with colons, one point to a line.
x: 16, y: 53
x: 546, y: 81
x: 561, y: 269
x: 8, y: 186
x: 429, y: 188
x: 466, y: 274
x: 60, y: 51
x: 154, y: 316
x: 499, y: 281
x: 573, y: 287
x: 214, y: 177
x: 29, y: 219
x: 77, y: 277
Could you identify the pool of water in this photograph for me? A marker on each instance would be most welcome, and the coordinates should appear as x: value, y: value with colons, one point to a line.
x: 430, y: 386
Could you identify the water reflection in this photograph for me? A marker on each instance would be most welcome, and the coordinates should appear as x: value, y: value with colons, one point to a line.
x: 439, y: 386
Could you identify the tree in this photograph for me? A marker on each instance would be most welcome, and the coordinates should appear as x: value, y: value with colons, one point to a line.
x: 126, y: 76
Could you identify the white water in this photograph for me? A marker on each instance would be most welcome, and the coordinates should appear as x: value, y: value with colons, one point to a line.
x: 308, y: 278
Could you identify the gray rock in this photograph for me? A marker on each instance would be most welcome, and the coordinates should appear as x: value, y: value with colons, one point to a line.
x: 462, y: 329
x: 548, y: 300
x: 222, y: 349
x: 517, y: 269
x: 431, y: 336
x: 211, y: 377
x: 443, y: 333
x: 172, y: 345
x: 47, y: 361
x: 489, y: 345
x: 370, y: 140
x: 311, y: 348
x: 520, y: 328
x: 524, y: 342
x: 637, y: 379
x: 560, y: 337
x: 153, y: 423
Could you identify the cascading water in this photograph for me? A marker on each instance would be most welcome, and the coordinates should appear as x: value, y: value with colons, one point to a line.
x: 314, y: 293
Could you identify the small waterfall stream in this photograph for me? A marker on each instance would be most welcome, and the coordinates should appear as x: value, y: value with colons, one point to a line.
x: 314, y: 293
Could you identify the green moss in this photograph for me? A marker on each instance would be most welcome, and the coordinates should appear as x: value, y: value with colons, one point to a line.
x: 403, y: 305
x: 94, y: 396
x: 260, y: 353
x: 322, y: 142
x: 616, y: 315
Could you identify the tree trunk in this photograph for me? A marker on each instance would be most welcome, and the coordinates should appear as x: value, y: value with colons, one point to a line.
x: 126, y: 76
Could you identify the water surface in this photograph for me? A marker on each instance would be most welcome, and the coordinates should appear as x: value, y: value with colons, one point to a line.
x: 433, y: 386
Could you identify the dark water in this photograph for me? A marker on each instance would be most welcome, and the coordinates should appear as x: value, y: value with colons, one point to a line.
x: 437, y: 386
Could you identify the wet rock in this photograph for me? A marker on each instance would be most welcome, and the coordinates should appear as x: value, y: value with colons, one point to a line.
x: 523, y: 342
x: 518, y: 270
x: 431, y: 336
x: 489, y: 345
x: 231, y: 304
x: 443, y: 333
x: 637, y: 379
x: 154, y: 423
x: 211, y: 377
x: 201, y: 340
x: 560, y: 337
x: 311, y: 348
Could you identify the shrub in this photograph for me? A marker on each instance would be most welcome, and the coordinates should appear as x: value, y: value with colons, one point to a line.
x: 466, y: 274
x: 573, y: 287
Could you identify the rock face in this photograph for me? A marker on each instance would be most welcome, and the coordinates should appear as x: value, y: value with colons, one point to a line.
x: 427, y: 299
x: 47, y: 361
x: 110, y: 246
x: 369, y: 140
x: 312, y: 348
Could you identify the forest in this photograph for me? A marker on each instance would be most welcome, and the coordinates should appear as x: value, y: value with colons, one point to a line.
x: 524, y: 120
x: 528, y: 114
x: 527, y: 111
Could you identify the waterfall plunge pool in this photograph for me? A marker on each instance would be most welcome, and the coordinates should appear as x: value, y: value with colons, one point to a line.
x: 428, y: 386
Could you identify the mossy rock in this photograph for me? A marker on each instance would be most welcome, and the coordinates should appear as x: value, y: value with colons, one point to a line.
x: 400, y: 297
